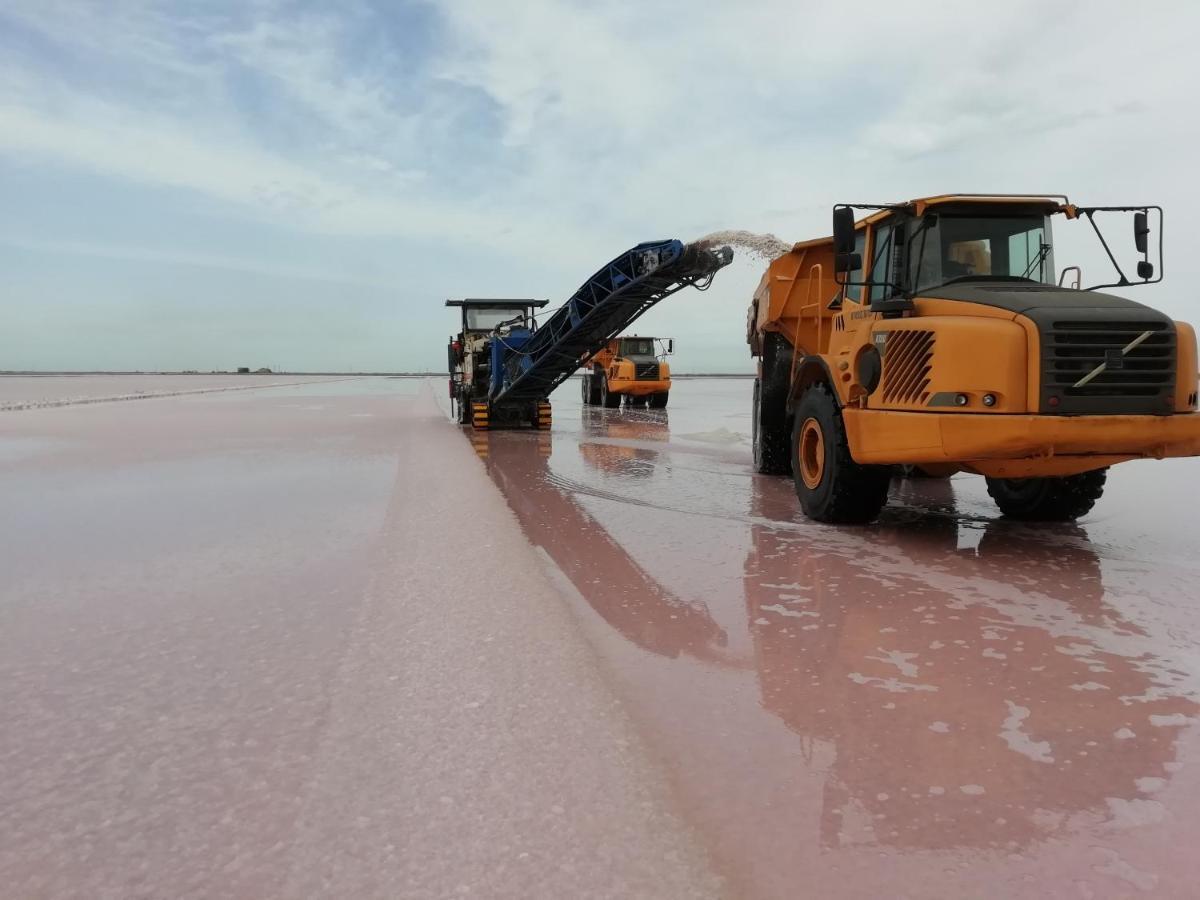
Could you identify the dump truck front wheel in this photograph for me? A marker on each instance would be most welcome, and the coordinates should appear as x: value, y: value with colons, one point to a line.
x: 1061, y: 499
x: 659, y: 400
x: 831, y: 486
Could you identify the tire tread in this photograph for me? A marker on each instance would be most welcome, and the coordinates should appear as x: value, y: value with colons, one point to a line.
x: 857, y: 493
x: 1060, y: 499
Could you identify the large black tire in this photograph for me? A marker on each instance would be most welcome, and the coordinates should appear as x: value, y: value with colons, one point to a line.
x: 770, y: 429
x: 607, y: 400
x: 1061, y: 499
x: 591, y: 388
x: 659, y: 400
x: 831, y: 486
x: 771, y: 443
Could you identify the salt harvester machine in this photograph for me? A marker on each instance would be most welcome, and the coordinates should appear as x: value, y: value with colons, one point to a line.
x: 504, y: 365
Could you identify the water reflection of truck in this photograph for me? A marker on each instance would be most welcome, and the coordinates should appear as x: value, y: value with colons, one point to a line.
x: 632, y: 369
x: 935, y: 333
x: 956, y: 718
x: 623, y: 446
x: 949, y: 717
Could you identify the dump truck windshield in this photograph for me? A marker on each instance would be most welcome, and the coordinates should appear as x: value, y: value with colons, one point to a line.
x: 637, y: 346
x: 485, y: 318
x: 950, y: 247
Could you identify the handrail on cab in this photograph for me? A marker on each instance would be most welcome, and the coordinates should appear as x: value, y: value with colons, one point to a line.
x: 820, y: 273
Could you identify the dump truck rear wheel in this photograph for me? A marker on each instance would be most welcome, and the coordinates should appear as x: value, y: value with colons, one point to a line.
x: 607, y: 400
x: 659, y: 400
x: 1061, y: 499
x: 771, y: 426
x: 770, y: 438
x: 591, y: 388
x: 831, y: 486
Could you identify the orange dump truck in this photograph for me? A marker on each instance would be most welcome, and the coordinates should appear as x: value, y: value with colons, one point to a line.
x: 935, y: 334
x: 628, y: 367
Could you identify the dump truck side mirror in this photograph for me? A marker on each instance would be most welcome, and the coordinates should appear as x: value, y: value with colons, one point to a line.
x: 843, y: 230
x: 844, y: 257
x: 670, y: 346
x: 1141, y: 231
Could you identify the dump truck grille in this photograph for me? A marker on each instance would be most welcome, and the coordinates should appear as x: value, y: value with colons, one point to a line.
x: 646, y: 371
x: 907, y: 361
x: 1107, y: 367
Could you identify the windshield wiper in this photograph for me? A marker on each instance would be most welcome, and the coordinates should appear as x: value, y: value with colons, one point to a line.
x: 1043, y: 251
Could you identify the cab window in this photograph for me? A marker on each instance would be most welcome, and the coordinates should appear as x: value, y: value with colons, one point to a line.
x: 637, y: 346
x: 854, y: 291
x: 485, y: 318
x: 965, y: 246
x: 881, y: 261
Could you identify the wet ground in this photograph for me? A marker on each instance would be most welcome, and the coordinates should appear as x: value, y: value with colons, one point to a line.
x: 42, y: 391
x: 943, y: 704
x: 290, y: 642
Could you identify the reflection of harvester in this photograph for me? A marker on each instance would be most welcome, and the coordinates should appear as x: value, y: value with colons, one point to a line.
x: 632, y: 601
x: 503, y: 371
x: 628, y: 367
x: 944, y: 341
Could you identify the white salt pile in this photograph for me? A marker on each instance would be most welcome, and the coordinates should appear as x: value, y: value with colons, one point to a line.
x: 766, y: 246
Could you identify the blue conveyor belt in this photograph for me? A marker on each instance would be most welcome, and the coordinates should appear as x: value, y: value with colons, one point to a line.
x: 605, y: 305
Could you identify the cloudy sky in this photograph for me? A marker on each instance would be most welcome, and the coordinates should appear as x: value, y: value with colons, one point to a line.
x: 202, y: 185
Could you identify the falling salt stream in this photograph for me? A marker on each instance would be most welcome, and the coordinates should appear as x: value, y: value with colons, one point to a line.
x: 764, y: 246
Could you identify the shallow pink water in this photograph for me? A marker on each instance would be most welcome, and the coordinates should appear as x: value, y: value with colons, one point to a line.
x: 944, y: 704
x: 248, y: 648
x: 294, y: 642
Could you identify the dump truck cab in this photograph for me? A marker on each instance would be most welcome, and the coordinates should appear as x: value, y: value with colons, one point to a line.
x: 632, y: 368
x: 938, y: 334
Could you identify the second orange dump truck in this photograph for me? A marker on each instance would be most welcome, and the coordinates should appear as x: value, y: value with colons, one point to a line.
x: 629, y: 368
x: 936, y: 334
